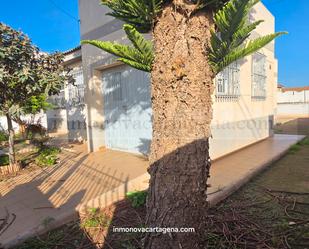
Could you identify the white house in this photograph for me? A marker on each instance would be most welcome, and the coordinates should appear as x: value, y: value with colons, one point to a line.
x: 117, y: 97
x: 109, y: 105
x: 293, y: 101
x: 68, y: 115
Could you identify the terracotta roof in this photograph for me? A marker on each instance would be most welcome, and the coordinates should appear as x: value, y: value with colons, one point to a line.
x: 72, y: 50
x: 296, y: 89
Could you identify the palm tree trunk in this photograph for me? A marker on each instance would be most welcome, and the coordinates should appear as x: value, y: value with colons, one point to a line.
x: 182, y: 85
x: 14, y: 167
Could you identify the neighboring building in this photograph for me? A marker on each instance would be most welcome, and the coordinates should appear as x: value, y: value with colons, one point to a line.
x: 118, y: 97
x: 68, y: 115
x: 293, y: 101
x: 39, y: 118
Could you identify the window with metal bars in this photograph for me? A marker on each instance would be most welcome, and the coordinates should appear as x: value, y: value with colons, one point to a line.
x: 259, y: 76
x: 58, y: 101
x: 228, y: 82
x: 77, y: 90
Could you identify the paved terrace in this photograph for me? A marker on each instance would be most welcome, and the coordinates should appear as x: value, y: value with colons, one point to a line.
x: 49, y: 198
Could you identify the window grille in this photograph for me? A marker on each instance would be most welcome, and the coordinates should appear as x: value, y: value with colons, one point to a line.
x: 259, y: 76
x: 228, y: 82
x: 76, y: 91
x: 57, y: 101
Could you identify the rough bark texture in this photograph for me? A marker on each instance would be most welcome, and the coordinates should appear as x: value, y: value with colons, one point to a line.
x: 13, y: 167
x: 182, y: 85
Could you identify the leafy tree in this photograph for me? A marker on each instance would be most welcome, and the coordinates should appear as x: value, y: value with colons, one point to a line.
x: 193, y: 41
x: 35, y: 104
x: 25, y: 74
x: 32, y: 106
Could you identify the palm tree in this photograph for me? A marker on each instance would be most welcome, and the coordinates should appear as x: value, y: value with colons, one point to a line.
x: 193, y: 41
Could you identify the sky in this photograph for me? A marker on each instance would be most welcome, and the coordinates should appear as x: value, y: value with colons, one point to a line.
x: 53, y: 26
x: 292, y: 50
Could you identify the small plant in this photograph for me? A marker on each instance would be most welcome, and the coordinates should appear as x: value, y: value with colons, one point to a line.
x: 47, y: 156
x: 18, y: 136
x: 3, y: 136
x: 95, y: 219
x: 137, y: 198
x: 35, y: 131
x: 4, y: 160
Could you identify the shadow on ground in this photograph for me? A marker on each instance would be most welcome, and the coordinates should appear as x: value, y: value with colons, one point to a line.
x: 36, y: 201
x: 272, y: 211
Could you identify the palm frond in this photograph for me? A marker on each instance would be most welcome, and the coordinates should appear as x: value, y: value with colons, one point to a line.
x: 212, y: 4
x: 232, y: 30
x: 138, y: 41
x: 139, y: 13
x: 136, y: 64
x: 139, y: 56
x: 241, y: 52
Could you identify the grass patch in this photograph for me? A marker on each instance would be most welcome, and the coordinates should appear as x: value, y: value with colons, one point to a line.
x: 294, y: 148
x: 47, y: 156
x: 137, y: 198
x: 304, y: 142
x: 4, y: 160
x: 95, y: 219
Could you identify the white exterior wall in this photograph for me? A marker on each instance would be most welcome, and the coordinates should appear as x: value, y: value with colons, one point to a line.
x: 239, y: 123
x: 70, y: 118
x: 38, y: 118
x: 293, y: 109
x: 4, y: 126
x: 57, y: 120
x: 235, y: 123
x: 293, y: 96
x: 293, y: 103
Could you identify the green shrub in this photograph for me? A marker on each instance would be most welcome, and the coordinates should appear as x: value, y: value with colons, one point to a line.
x: 4, y: 160
x: 3, y: 136
x: 47, y: 156
x: 137, y: 198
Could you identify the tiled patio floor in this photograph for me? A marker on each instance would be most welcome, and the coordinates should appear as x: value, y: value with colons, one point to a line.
x: 51, y: 196
x: 234, y: 170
